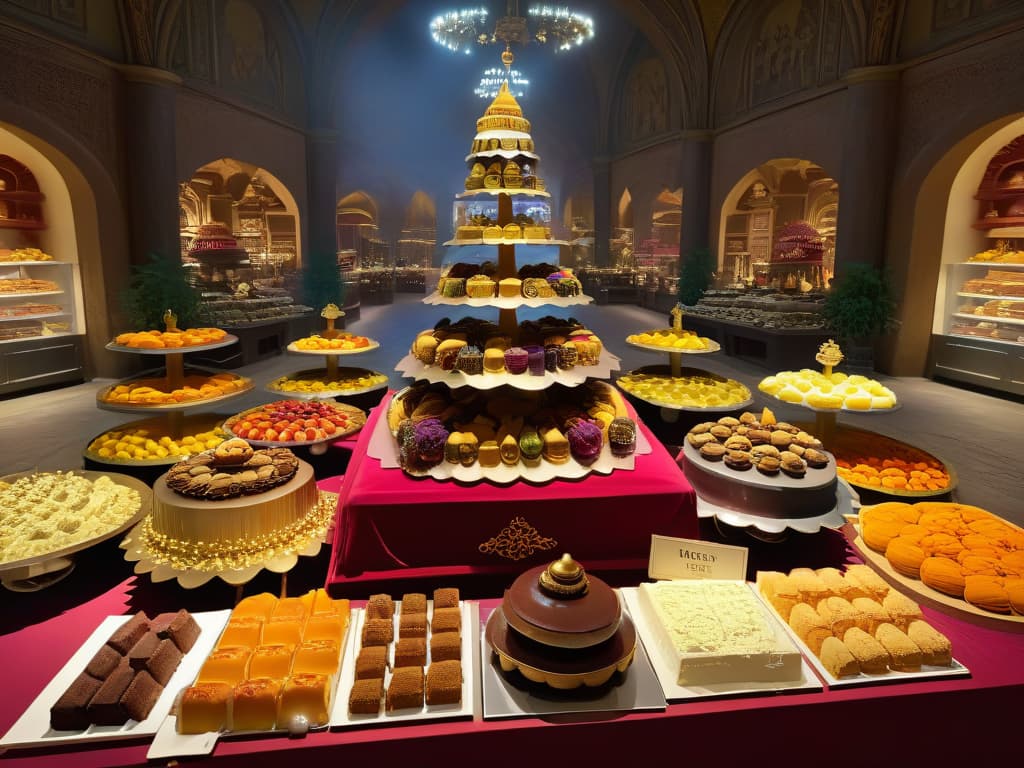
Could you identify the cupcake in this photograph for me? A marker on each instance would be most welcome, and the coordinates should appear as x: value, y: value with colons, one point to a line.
x: 480, y: 287
x: 622, y: 436
x: 430, y: 436
x: 551, y: 358
x: 494, y: 360
x: 516, y: 360
x: 567, y: 356
x: 535, y: 360
x: 584, y: 441
x: 510, y: 287
x: 470, y: 361
x: 530, y: 446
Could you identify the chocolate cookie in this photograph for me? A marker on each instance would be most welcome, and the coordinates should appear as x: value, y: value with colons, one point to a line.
x: 767, y: 465
x: 712, y: 451
x: 792, y: 464
x: 815, y: 458
x: 721, y: 431
x: 700, y: 440
x: 738, y: 460
x: 759, y: 436
x: 738, y: 443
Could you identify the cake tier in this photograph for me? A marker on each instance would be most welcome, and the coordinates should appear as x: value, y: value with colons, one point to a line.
x: 717, y: 632
x: 563, y: 622
x: 249, y: 518
x: 561, y: 668
x: 779, y: 496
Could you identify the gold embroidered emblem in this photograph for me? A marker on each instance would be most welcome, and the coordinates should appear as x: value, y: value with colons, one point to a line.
x: 517, y: 540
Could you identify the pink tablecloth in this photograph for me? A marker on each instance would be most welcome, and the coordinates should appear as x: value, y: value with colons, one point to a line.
x: 388, y: 520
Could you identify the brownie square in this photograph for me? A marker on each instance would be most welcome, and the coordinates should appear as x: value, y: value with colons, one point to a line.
x: 129, y: 633
x: 365, y: 696
x: 70, y: 711
x: 411, y: 652
x: 371, y: 662
x: 104, y: 662
x: 106, y: 708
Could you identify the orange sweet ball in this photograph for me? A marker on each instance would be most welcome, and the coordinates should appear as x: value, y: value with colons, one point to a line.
x: 902, y: 470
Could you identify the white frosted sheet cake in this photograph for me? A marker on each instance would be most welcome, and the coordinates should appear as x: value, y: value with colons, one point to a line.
x: 717, y: 631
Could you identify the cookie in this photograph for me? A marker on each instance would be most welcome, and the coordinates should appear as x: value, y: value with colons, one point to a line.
x: 700, y: 440
x: 815, y: 458
x: 795, y: 448
x: 781, y: 439
x: 738, y: 443
x: 738, y: 460
x: 765, y: 450
x: 748, y: 418
x: 712, y: 451
x: 767, y: 465
x: 701, y: 428
x: 233, y: 451
x: 729, y: 421
x: 759, y: 436
x: 792, y: 464
x: 806, y: 440
x: 721, y: 432
x: 785, y: 426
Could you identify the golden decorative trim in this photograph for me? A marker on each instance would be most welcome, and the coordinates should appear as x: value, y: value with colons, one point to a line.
x: 517, y: 540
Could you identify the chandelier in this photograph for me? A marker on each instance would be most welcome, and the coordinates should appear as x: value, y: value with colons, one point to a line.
x: 564, y: 28
x: 492, y: 78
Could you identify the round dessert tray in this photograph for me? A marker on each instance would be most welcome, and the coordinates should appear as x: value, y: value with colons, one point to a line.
x: 931, y: 597
x: 357, y: 416
x: 670, y: 411
x: 413, y: 368
x: 194, y: 573
x: 778, y: 528
x: 896, y: 406
x: 507, y: 302
x: 333, y: 352
x: 562, y: 669
x: 226, y: 341
x: 188, y: 424
x: 850, y: 438
x: 165, y: 407
x: 713, y: 346
x: 32, y: 574
x: 320, y: 374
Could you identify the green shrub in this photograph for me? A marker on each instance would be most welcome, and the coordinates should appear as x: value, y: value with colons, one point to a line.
x: 161, y: 284
x: 695, y: 276
x: 860, y: 304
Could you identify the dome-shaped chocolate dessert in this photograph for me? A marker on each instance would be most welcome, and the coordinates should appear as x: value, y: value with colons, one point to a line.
x: 558, y: 625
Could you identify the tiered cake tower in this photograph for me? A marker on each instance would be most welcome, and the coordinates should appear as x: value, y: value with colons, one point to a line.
x: 506, y: 205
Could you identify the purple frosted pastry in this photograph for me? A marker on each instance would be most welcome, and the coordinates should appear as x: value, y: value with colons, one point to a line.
x: 430, y: 439
x: 551, y: 358
x: 535, y: 361
x: 622, y: 436
x: 584, y: 441
x: 516, y: 360
x: 470, y: 361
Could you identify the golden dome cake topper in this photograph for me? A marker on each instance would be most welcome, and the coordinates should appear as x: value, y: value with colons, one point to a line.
x: 564, y: 577
x: 829, y: 355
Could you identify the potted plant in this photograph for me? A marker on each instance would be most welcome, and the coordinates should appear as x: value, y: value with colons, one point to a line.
x: 858, y: 309
x: 695, y: 276
x: 153, y: 288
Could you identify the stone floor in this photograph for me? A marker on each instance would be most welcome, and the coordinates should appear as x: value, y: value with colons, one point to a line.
x: 981, y: 436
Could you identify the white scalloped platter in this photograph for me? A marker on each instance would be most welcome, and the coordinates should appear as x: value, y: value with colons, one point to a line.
x: 321, y: 374
x: 507, y: 302
x: 508, y: 154
x: 713, y: 346
x: 412, y: 368
x: 505, y: 241
x: 224, y: 342
x: 382, y: 446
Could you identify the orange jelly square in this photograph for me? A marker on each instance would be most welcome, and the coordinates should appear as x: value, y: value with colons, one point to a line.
x: 283, y: 630
x: 259, y: 606
x: 317, y: 656
x: 271, y: 661
x: 254, y: 704
x: 291, y: 607
x: 225, y: 665
x: 244, y: 631
x: 304, y: 696
x: 326, y: 626
x: 204, y: 708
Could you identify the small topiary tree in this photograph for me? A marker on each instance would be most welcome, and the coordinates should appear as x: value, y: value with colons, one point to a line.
x: 695, y: 276
x: 154, y: 287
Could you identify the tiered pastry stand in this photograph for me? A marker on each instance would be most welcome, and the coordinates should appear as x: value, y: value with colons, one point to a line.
x: 332, y: 371
x: 670, y: 412
x: 169, y: 417
x: 507, y: 307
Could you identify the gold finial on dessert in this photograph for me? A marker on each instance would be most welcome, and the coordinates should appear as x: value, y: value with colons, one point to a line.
x: 829, y: 355
x: 565, y: 577
x: 170, y: 321
x: 331, y: 313
x: 507, y: 57
x: 677, y: 317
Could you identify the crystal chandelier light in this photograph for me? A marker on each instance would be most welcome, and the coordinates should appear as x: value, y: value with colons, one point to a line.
x: 492, y: 78
x: 563, y: 27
